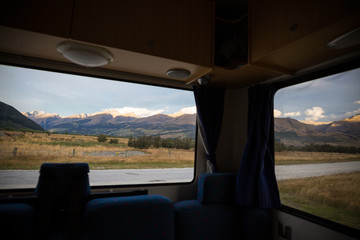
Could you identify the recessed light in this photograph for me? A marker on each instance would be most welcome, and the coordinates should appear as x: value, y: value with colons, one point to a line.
x: 178, y: 73
x: 85, y: 55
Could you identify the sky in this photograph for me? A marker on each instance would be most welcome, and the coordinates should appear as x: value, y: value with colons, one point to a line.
x: 322, y: 100
x: 34, y: 90
x: 326, y: 99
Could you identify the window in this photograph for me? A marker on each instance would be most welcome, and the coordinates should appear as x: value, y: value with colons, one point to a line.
x: 317, y: 147
x: 128, y: 133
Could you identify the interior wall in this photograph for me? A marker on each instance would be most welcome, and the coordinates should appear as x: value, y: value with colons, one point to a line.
x: 302, y: 229
x: 233, y: 133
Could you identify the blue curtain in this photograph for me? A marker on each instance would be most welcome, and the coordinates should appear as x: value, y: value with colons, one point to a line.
x: 210, y: 107
x: 256, y: 184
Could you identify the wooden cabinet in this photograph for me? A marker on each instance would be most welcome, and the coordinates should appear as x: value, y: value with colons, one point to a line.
x: 179, y: 29
x: 292, y: 35
x: 44, y: 16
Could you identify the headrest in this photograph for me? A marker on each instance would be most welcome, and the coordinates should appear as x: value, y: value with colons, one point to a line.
x: 60, y: 177
x: 216, y: 188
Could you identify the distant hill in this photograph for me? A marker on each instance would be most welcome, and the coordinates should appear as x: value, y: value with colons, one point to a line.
x: 112, y: 124
x: 10, y: 118
x: 293, y: 132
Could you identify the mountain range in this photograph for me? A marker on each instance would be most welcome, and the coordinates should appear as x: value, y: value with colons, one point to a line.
x: 113, y: 124
x: 287, y: 130
x: 10, y: 118
x: 345, y: 132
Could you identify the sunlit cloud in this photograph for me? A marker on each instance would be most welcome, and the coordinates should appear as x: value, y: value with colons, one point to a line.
x: 314, y: 114
x: 292, y: 114
x: 139, y: 112
x: 277, y: 113
x: 357, y: 102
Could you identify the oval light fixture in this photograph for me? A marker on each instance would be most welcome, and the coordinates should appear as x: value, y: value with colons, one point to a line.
x: 178, y: 73
x: 346, y: 40
x: 85, y: 55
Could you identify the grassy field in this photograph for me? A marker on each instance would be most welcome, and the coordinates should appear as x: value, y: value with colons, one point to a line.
x: 29, y: 150
x: 286, y: 158
x: 334, y: 197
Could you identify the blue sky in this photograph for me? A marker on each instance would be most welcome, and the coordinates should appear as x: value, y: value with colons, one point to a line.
x: 29, y: 90
x: 323, y: 100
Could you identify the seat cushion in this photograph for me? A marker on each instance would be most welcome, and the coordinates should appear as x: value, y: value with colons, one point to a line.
x: 205, y: 221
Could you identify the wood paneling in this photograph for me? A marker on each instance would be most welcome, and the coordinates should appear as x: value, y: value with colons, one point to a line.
x: 179, y: 30
x: 52, y: 17
x: 274, y: 26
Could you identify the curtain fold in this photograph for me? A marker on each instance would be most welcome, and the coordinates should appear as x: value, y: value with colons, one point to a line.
x: 256, y: 184
x: 210, y: 107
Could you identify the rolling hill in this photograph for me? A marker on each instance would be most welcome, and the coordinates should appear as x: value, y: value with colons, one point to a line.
x: 12, y: 119
x: 293, y: 132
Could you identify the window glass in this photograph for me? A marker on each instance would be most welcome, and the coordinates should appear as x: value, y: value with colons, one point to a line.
x: 128, y: 133
x: 317, y: 147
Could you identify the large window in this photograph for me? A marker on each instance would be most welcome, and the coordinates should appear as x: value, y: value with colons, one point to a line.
x: 317, y: 147
x: 128, y: 133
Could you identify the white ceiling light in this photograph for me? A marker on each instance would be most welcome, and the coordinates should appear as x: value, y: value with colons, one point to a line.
x: 85, y: 55
x: 178, y: 73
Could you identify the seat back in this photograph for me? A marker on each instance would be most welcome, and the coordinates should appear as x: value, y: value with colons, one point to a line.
x: 62, y: 190
x: 135, y: 217
x: 17, y: 220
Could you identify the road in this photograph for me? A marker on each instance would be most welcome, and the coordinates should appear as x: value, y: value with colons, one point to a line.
x: 29, y: 178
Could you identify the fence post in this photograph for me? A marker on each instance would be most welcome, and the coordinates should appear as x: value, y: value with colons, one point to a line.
x: 15, y: 151
x: 73, y: 152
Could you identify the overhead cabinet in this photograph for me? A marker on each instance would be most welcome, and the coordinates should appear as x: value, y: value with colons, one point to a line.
x: 293, y: 35
x: 43, y: 16
x: 180, y: 30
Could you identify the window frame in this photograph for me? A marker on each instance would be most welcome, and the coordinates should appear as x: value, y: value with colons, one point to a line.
x: 320, y: 73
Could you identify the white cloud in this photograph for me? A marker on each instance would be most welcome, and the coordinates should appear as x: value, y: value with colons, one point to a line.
x: 292, y: 114
x: 357, y: 102
x: 353, y: 113
x: 140, y: 112
x: 187, y: 110
x: 314, y: 114
x: 277, y: 113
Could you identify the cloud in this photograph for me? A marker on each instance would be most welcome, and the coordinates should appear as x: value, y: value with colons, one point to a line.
x: 277, y: 113
x: 187, y: 110
x: 357, y: 102
x: 140, y: 112
x: 353, y: 113
x: 314, y: 114
x: 292, y: 114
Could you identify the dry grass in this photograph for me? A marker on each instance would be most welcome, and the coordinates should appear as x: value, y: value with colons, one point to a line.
x: 334, y: 197
x: 33, y: 149
x: 285, y: 158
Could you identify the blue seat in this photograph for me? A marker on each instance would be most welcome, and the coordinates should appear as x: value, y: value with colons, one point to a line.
x: 136, y: 217
x: 62, y: 190
x: 17, y: 220
x: 213, y: 215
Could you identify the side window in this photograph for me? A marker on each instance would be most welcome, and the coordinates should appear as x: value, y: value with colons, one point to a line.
x: 128, y: 133
x: 317, y: 147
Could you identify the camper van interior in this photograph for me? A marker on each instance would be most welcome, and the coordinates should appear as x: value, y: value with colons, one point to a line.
x: 169, y: 119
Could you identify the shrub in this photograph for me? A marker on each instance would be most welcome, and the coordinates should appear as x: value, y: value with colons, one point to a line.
x: 114, y: 141
x: 102, y: 138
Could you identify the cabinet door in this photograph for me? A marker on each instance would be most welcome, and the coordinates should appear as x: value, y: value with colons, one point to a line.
x: 51, y: 17
x: 178, y: 29
x: 275, y: 26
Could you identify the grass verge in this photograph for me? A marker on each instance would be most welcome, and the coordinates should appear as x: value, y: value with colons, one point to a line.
x: 334, y: 197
